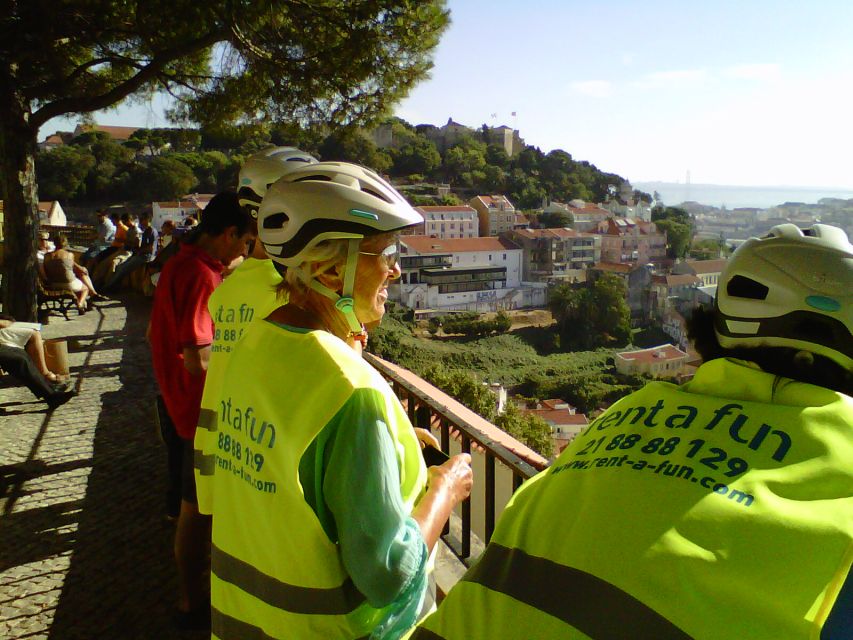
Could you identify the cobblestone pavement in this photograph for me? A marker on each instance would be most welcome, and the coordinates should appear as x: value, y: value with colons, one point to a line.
x: 85, y: 549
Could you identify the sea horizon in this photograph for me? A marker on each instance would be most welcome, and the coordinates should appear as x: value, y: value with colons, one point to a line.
x: 738, y: 196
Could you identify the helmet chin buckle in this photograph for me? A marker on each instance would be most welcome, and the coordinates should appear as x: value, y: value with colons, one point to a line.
x: 357, y: 331
x: 345, y: 305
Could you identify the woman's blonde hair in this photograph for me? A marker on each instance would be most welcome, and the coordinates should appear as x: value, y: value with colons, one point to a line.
x: 295, y: 284
x: 321, y: 259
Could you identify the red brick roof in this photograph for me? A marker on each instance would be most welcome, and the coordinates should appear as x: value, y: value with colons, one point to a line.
x: 590, y: 209
x: 614, y: 267
x: 558, y: 232
x: 439, y: 209
x: 495, y: 202
x: 558, y: 417
x: 427, y: 244
x: 707, y: 266
x: 654, y: 354
x: 676, y: 280
x: 116, y: 133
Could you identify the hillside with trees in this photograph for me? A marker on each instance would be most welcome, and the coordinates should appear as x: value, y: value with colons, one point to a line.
x: 162, y: 164
x: 529, y: 362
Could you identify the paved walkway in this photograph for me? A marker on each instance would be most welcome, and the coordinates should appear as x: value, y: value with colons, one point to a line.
x: 85, y: 550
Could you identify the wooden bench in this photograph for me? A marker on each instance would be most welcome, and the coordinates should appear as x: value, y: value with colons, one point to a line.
x: 55, y: 300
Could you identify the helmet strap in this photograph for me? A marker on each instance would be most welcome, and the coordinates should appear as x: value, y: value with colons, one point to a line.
x: 344, y: 302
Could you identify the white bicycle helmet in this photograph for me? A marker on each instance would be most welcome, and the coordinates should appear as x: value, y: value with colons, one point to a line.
x: 265, y: 167
x: 328, y: 201
x: 792, y: 288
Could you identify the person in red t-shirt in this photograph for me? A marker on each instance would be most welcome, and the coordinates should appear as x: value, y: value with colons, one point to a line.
x: 180, y: 334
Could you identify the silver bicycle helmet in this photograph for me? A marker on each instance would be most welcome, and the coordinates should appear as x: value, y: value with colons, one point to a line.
x: 325, y: 201
x: 791, y: 288
x: 329, y: 201
x: 265, y: 167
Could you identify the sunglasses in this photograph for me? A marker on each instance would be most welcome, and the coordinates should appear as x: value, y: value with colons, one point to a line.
x: 390, y: 255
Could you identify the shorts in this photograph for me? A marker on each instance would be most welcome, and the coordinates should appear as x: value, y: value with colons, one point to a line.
x: 76, y: 285
x: 188, y: 491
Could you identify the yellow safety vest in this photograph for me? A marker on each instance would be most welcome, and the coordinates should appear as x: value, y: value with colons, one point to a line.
x: 248, y: 293
x: 275, y: 573
x: 721, y: 509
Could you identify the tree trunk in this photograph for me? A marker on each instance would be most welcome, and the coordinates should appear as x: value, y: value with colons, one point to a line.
x: 20, y: 204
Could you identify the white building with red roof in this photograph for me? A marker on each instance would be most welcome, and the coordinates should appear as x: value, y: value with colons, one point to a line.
x: 663, y: 361
x: 479, y: 274
x: 563, y: 419
x: 450, y: 222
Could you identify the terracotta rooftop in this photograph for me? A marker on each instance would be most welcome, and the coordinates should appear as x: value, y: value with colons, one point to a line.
x: 116, y: 133
x: 559, y: 232
x: 427, y: 244
x: 439, y: 209
x: 613, y: 267
x: 677, y: 280
x: 707, y: 266
x: 558, y: 417
x: 654, y: 354
x: 495, y: 202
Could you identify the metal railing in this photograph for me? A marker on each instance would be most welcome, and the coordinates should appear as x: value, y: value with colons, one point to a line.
x: 429, y: 408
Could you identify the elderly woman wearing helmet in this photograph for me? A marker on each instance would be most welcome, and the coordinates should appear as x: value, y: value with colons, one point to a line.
x: 722, y: 508
x: 324, y: 512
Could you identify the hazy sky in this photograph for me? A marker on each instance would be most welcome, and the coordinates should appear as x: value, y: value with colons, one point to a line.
x: 753, y: 93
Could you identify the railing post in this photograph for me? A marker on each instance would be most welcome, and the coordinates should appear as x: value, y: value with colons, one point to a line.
x: 490, y: 495
x: 466, y: 508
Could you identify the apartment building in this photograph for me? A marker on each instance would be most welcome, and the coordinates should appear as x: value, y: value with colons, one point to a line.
x: 587, y: 216
x: 496, y: 214
x: 450, y: 222
x: 556, y: 254
x: 482, y: 274
x: 627, y: 240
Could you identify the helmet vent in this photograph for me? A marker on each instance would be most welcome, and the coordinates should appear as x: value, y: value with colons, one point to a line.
x: 314, y: 178
x: 276, y: 221
x: 375, y: 194
x: 743, y: 287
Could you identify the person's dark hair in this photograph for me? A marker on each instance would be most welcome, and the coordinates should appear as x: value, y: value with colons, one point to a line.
x: 224, y: 211
x: 60, y: 240
x: 781, y: 361
x: 115, y: 216
x: 125, y: 217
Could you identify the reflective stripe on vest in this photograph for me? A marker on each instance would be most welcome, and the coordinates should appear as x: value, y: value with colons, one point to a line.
x: 204, y: 464
x: 597, y: 608
x: 225, y: 627
x: 336, y: 601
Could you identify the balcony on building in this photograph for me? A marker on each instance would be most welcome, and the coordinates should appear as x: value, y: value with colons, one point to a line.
x: 457, y: 279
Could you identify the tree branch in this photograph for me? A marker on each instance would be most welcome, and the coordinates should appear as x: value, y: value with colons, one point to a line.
x: 147, y: 73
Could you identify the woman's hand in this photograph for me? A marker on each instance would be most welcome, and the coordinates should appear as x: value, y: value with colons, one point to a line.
x: 455, y: 476
x: 447, y: 486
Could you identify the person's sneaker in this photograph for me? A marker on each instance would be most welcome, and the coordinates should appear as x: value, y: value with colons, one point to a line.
x: 59, y: 398
x: 198, y: 620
